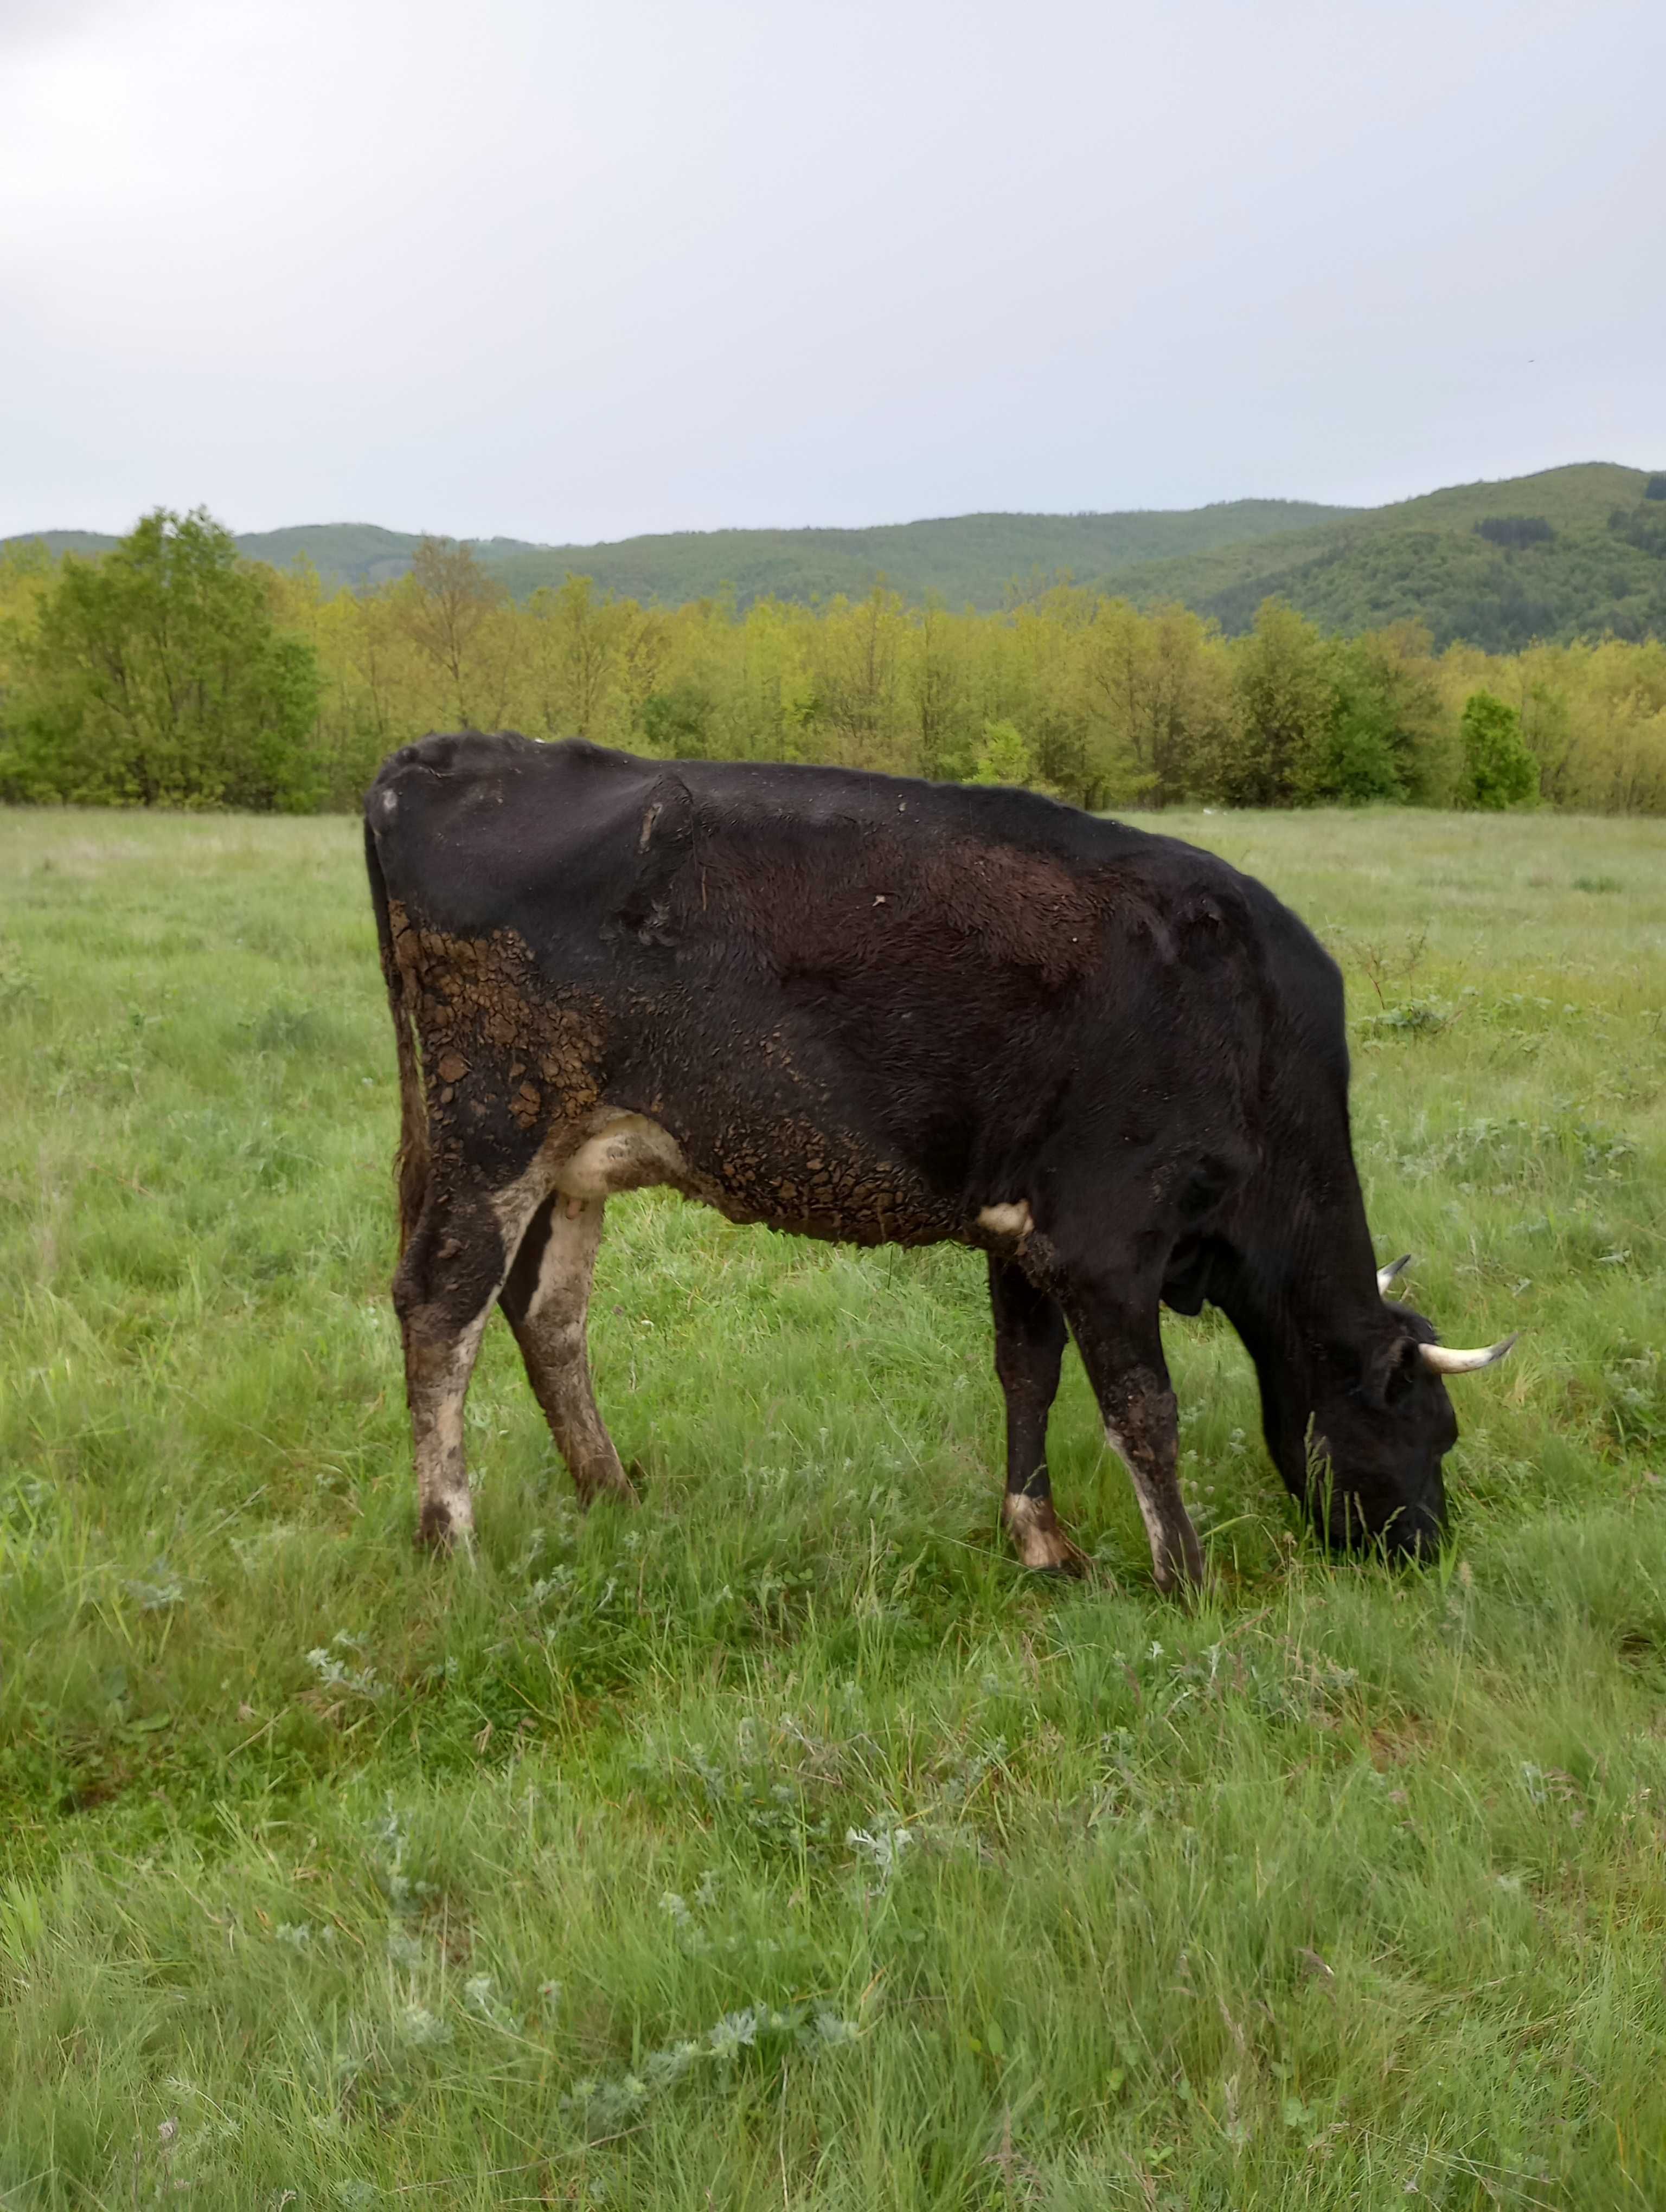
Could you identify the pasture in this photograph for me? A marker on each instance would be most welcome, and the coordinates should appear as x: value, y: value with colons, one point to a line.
x: 784, y: 1843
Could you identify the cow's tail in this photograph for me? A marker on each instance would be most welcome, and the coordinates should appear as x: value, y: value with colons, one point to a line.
x: 411, y: 1163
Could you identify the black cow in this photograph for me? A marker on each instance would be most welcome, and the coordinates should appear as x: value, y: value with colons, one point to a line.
x: 884, y: 1011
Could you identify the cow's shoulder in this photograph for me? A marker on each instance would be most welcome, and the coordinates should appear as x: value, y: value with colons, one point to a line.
x: 446, y: 771
x: 486, y: 830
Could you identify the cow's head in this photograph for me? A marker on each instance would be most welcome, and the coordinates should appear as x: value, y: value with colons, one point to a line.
x: 1381, y: 1424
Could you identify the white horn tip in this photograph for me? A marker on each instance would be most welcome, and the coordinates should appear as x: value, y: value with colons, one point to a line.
x: 1447, y: 1359
x: 1387, y: 1275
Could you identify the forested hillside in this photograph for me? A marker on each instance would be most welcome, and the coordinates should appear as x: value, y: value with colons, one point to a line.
x: 350, y: 556
x: 965, y: 560
x: 1570, y: 553
x: 1573, y: 552
x: 174, y: 671
x: 968, y: 560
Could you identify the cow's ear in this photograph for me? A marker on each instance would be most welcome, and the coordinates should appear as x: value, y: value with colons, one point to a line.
x: 1390, y: 1370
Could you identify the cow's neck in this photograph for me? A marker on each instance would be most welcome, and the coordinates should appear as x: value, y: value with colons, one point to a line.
x: 1308, y: 1315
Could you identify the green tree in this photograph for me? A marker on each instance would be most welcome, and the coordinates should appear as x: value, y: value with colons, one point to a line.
x: 1004, y: 757
x: 157, y: 676
x: 856, y: 649
x: 1548, y: 733
x: 595, y: 662
x: 1286, y: 705
x: 1158, y: 689
x: 447, y: 606
x: 1499, y: 771
x: 1382, y: 734
x: 676, y: 724
x: 26, y: 580
x: 936, y: 684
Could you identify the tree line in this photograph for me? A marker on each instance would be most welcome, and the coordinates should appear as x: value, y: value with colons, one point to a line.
x: 173, y: 672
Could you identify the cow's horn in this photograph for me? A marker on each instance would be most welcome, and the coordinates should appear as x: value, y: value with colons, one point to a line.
x: 1447, y: 1359
x: 1386, y: 1276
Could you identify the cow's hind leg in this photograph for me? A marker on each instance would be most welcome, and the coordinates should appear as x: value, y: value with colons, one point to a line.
x: 1030, y: 1341
x: 1121, y: 1342
x: 453, y: 1268
x: 547, y: 1298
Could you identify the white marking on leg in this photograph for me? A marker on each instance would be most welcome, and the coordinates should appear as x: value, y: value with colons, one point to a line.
x: 1020, y: 1516
x: 1037, y: 1536
x: 514, y: 1205
x: 1166, y: 1537
x: 564, y: 1264
x: 437, y: 1398
x: 438, y: 1366
x: 1156, y: 1530
x: 551, y: 1335
x: 1014, y: 1220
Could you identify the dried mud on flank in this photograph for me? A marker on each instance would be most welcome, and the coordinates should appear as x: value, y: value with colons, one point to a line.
x: 818, y: 1182
x: 509, y: 1058
x: 498, y: 1043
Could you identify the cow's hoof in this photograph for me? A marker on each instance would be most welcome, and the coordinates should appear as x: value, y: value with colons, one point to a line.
x: 1181, y: 1583
x: 1039, y: 1539
x: 620, y: 1489
x: 1073, y: 1565
x: 441, y: 1537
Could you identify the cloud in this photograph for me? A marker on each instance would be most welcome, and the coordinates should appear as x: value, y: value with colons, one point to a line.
x: 567, y: 273
x: 26, y: 23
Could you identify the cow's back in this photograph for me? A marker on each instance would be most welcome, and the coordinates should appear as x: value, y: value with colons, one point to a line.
x: 863, y: 1005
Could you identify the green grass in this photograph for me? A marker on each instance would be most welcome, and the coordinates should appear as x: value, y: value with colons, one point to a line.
x: 328, y: 1870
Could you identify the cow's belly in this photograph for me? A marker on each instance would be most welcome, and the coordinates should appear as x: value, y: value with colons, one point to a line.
x: 791, y: 1177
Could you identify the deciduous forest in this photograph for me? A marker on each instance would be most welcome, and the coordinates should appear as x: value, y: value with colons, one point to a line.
x: 173, y: 671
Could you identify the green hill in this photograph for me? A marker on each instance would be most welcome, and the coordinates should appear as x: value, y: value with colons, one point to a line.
x: 355, y: 555
x: 63, y: 541
x: 966, y: 558
x: 1596, y: 563
x: 1568, y: 552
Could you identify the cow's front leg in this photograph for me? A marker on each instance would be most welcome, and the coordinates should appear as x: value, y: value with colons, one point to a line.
x: 1030, y: 1341
x: 452, y: 1270
x: 547, y: 1299
x: 1121, y: 1348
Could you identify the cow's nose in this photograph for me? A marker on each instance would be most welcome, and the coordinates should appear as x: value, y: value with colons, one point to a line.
x: 1414, y: 1532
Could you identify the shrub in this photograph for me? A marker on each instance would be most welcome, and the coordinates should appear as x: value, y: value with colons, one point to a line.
x: 1499, y: 770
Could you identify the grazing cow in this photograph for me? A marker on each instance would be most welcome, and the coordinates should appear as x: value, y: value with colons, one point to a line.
x: 884, y: 1011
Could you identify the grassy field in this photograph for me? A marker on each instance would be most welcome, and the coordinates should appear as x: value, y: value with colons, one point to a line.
x: 784, y: 1843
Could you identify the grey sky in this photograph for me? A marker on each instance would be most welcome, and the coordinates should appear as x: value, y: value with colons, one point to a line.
x: 572, y: 272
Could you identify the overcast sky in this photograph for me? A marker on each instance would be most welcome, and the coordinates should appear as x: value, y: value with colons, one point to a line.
x: 570, y: 272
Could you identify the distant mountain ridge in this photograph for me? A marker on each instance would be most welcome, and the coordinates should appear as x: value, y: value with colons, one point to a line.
x: 969, y: 557
x: 961, y: 559
x: 351, y: 554
x: 1569, y: 551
